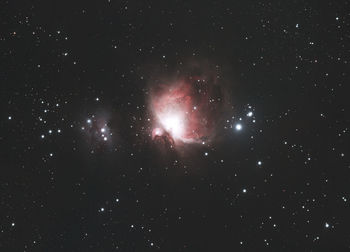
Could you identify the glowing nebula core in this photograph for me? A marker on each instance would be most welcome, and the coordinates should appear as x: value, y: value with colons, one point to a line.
x: 183, y: 111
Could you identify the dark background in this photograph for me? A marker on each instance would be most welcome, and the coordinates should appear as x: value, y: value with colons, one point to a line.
x: 288, y: 60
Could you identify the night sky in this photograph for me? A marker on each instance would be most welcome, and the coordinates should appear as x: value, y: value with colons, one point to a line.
x: 174, y: 126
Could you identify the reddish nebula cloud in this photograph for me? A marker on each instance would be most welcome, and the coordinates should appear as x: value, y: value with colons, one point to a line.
x: 186, y: 110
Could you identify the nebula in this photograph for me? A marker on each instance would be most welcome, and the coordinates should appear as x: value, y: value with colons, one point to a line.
x: 186, y: 110
x: 97, y: 132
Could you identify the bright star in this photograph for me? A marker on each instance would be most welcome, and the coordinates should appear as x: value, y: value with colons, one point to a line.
x: 238, y: 126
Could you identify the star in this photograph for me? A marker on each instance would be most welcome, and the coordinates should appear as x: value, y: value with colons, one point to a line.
x: 238, y: 126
